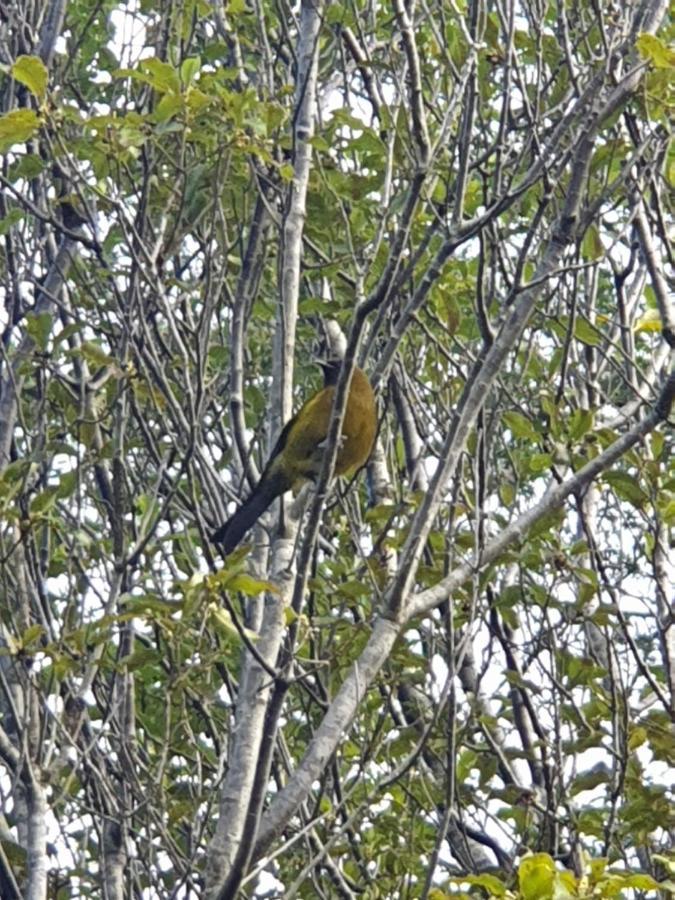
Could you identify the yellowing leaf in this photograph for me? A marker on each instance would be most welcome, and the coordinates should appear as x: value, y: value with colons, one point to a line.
x: 637, y: 738
x: 659, y: 54
x: 290, y: 615
x: 535, y: 877
x: 31, y: 71
x: 222, y: 620
x: 17, y: 126
x: 248, y: 585
x: 649, y: 321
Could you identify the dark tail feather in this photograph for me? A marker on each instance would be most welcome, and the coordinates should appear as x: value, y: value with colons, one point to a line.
x: 231, y: 533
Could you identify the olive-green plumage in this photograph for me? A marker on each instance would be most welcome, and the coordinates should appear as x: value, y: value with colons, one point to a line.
x: 298, y: 454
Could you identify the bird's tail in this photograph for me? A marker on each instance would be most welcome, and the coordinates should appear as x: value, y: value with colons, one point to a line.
x: 270, y: 486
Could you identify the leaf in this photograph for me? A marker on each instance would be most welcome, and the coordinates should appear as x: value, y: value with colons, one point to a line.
x: 248, y: 585
x: 222, y: 620
x: 67, y: 484
x: 650, y: 321
x: 38, y: 327
x: 588, y: 781
x: 168, y: 107
x: 27, y: 166
x: 142, y: 656
x: 581, y: 422
x: 188, y: 69
x: 626, y: 487
x: 163, y: 77
x: 659, y: 54
x: 668, y: 513
x: 290, y: 615
x: 43, y: 502
x: 540, y: 462
x: 17, y: 127
x: 286, y: 172
x: 586, y: 333
x: 491, y: 883
x: 13, y: 217
x: 31, y: 635
x: 32, y: 72
x: 154, y: 72
x: 591, y: 245
x: 466, y: 761
x: 507, y: 493
x: 519, y: 425
x: 66, y: 332
x: 637, y: 738
x: 95, y: 355
x: 149, y: 604
x: 535, y: 877
x: 641, y: 882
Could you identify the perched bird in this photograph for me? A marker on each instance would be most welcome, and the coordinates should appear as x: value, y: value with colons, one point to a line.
x: 298, y: 453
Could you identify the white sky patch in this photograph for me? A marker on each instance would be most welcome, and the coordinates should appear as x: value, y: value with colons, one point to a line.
x: 130, y: 34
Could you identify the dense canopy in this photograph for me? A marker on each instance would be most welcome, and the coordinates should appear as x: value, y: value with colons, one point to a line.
x: 450, y: 675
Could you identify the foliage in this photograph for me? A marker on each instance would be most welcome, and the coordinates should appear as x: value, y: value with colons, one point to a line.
x: 479, y: 201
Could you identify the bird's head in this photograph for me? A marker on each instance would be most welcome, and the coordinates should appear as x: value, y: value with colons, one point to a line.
x: 331, y: 370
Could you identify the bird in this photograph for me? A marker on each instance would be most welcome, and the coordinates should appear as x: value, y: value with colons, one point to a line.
x: 298, y: 453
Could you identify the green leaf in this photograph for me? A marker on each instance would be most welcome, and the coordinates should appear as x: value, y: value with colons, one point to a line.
x: 507, y: 493
x: 491, y: 883
x: 540, y: 462
x: 286, y: 171
x: 66, y: 332
x: 587, y: 781
x: 519, y: 425
x: 13, y: 217
x: 43, y: 502
x: 27, y: 166
x: 94, y: 354
x: 17, y: 127
x: 154, y: 72
x: 626, y: 487
x: 466, y: 761
x: 142, y: 656
x: 31, y: 635
x: 638, y: 736
x: 550, y: 520
x: 31, y: 71
x: 581, y: 422
x: 67, y: 484
x: 591, y: 245
x: 188, y: 69
x: 169, y: 106
x: 536, y: 874
x: 39, y: 326
x: 668, y: 513
x: 163, y: 77
x: 586, y: 333
x: 150, y: 603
